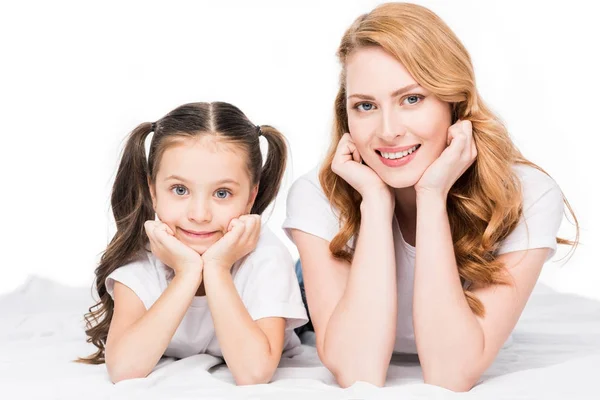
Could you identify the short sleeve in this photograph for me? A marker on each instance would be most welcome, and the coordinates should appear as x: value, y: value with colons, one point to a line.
x: 308, y: 210
x: 269, y: 287
x: 140, y: 277
x: 542, y: 214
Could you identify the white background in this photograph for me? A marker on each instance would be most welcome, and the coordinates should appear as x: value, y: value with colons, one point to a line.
x: 76, y: 77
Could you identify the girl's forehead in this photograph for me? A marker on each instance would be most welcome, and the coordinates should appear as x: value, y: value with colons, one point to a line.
x: 201, y: 160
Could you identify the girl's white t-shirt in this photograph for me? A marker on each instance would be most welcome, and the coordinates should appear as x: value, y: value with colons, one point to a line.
x: 265, y: 280
x: 308, y: 210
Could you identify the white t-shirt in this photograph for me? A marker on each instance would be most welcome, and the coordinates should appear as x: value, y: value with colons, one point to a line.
x: 309, y: 210
x: 265, y: 279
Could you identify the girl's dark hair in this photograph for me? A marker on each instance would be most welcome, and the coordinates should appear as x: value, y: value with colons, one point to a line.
x: 131, y: 201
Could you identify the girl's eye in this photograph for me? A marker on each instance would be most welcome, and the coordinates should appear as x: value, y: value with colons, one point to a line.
x: 413, y: 99
x: 179, y: 190
x: 364, y: 106
x: 222, y: 193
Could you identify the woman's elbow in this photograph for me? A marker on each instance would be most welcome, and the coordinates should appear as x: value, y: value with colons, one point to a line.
x: 455, y: 381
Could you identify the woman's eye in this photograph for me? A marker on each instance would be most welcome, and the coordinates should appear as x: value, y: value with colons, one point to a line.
x: 413, y: 99
x: 222, y: 193
x: 364, y: 106
x: 179, y: 190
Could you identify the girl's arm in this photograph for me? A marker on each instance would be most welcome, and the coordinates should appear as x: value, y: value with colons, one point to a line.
x: 251, y: 349
x: 137, y: 338
x: 455, y: 346
x: 353, y: 308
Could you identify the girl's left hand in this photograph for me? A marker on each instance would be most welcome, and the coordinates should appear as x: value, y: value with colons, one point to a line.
x: 241, y: 238
x: 460, y: 154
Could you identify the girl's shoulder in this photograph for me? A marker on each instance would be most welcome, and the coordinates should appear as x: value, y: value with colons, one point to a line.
x: 269, y: 246
x: 143, y: 274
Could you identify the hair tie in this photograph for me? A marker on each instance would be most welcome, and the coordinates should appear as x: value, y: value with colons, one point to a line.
x: 153, y: 127
x: 258, y: 130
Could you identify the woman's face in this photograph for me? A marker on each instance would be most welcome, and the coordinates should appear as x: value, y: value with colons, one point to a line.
x: 200, y: 186
x: 398, y: 127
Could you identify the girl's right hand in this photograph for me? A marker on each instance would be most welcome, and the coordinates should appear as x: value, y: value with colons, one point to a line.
x: 347, y: 164
x: 167, y: 248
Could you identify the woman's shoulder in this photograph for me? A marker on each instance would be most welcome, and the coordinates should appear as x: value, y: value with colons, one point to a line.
x: 535, y: 184
x: 308, y: 184
x: 308, y: 209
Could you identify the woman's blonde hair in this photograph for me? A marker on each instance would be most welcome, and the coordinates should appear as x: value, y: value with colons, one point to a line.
x: 485, y: 204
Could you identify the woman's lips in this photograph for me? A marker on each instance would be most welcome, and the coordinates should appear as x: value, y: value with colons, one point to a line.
x: 398, y: 162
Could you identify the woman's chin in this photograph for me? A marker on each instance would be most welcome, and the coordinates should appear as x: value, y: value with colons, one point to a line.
x: 400, y: 180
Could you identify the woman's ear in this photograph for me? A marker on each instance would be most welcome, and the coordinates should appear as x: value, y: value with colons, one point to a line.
x: 251, y: 199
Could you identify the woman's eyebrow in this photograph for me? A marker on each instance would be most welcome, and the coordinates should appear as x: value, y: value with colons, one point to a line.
x: 395, y: 93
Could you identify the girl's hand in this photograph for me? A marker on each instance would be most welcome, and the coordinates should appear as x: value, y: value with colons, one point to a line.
x: 167, y: 248
x: 347, y: 164
x: 461, y: 152
x: 241, y: 238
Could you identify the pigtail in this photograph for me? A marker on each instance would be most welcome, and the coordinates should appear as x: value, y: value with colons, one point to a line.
x: 273, y: 169
x: 131, y: 206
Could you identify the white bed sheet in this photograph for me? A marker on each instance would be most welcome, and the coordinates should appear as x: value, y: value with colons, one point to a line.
x: 554, y: 354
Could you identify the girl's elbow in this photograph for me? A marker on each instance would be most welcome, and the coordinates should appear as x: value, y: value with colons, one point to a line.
x: 346, y: 377
x: 256, y: 376
x: 118, y: 373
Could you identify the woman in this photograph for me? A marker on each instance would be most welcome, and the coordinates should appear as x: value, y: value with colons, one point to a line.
x: 425, y: 229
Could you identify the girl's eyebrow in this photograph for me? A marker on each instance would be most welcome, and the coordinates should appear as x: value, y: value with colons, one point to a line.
x: 223, y: 181
x: 220, y: 182
x: 395, y: 93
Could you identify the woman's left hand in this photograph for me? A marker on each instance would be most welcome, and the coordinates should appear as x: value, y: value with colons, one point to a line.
x: 460, y: 154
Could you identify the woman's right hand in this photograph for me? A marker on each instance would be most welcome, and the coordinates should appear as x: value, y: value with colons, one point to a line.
x: 167, y: 248
x: 347, y: 164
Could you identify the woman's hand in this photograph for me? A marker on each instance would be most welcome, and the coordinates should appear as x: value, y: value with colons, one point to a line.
x: 460, y: 154
x: 167, y: 248
x: 241, y: 238
x: 347, y: 164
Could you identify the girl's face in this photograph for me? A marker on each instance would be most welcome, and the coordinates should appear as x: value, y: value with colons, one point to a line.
x: 399, y: 128
x: 201, y: 185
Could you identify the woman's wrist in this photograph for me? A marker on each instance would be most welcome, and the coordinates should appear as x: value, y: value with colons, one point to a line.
x: 381, y: 204
x: 431, y: 200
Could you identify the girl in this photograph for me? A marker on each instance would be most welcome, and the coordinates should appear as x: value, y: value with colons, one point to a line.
x: 203, y: 277
x: 425, y: 229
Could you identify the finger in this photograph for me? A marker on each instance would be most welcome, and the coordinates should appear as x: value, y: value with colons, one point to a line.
x: 149, y: 228
x: 355, y: 154
x: 252, y: 226
x: 164, y: 227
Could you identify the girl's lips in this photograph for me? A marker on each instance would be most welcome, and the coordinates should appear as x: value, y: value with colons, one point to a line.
x: 197, y: 235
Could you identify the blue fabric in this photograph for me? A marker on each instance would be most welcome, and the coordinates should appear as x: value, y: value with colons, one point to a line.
x: 309, y: 325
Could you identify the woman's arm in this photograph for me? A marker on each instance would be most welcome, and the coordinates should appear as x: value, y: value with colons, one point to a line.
x: 354, y: 307
x: 455, y: 346
x: 252, y: 349
x: 138, y: 338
